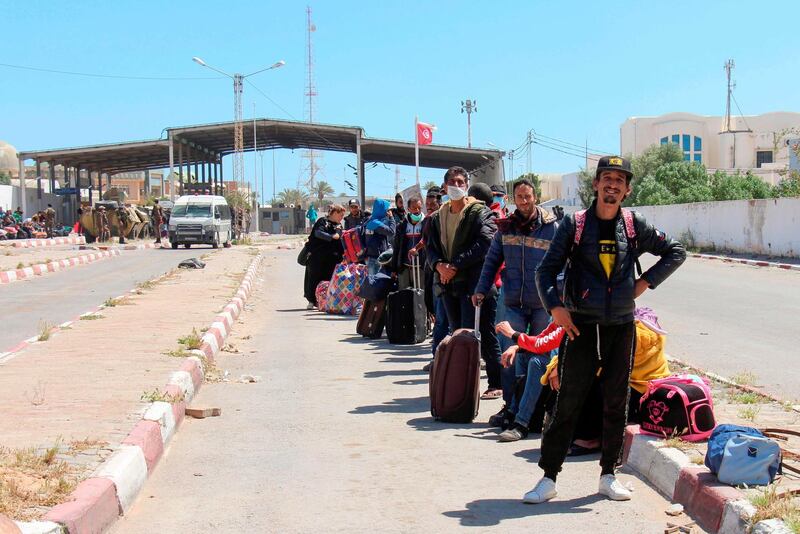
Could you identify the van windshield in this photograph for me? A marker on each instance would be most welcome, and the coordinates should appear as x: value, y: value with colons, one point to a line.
x: 192, y: 210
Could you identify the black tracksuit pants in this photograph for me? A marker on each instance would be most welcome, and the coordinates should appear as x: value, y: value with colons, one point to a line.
x: 609, y: 347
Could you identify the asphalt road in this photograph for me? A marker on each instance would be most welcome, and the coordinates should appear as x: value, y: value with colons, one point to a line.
x: 337, y: 437
x: 58, y: 297
x: 731, y: 318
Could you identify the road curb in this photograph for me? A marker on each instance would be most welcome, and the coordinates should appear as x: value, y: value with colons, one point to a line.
x: 744, y: 261
x: 113, y: 487
x: 718, y: 508
x: 14, y: 275
x: 49, y: 242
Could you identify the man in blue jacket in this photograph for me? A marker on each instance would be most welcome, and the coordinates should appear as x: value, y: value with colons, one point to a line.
x: 521, y: 242
x: 600, y: 247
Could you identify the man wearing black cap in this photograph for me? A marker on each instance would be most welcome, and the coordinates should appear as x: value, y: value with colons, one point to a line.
x: 600, y: 247
x: 356, y: 217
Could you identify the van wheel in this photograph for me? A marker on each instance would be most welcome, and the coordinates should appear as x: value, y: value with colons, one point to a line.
x: 227, y: 243
x: 174, y: 246
x: 215, y: 243
x: 187, y: 245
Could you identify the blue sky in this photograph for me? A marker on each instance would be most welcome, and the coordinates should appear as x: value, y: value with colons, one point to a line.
x: 570, y: 70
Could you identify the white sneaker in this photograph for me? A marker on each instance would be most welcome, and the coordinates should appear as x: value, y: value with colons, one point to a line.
x: 544, y: 490
x: 310, y: 306
x: 613, y: 489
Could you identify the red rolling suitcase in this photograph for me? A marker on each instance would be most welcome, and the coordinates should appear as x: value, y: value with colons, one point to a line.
x: 456, y: 375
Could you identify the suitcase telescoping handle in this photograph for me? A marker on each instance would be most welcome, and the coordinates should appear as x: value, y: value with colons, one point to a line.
x: 415, y: 275
x: 478, y: 322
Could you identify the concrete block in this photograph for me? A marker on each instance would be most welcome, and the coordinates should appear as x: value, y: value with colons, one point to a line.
x: 39, y: 527
x: 7, y: 526
x: 184, y: 381
x: 127, y: 468
x: 92, y: 507
x: 704, y: 497
x: 147, y: 436
x: 642, y: 453
x: 195, y: 371
x: 161, y: 413
x: 666, y: 467
x: 735, y: 517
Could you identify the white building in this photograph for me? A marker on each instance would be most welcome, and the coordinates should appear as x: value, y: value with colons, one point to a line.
x: 757, y: 143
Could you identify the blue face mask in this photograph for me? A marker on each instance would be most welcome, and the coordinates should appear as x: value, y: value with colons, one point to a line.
x: 501, y: 201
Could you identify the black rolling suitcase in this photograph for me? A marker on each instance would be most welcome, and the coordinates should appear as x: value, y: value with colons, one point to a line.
x: 406, y: 314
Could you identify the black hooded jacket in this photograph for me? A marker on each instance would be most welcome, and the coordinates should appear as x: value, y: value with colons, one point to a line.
x: 589, y: 295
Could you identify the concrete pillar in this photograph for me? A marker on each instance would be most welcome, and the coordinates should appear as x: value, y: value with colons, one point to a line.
x: 39, y: 184
x: 100, y: 184
x: 361, y: 178
x: 171, y: 164
x: 196, y: 169
x: 180, y: 167
x: 77, y: 189
x: 203, y: 171
x: 51, y: 170
x: 215, y: 189
x: 221, y: 178
x: 147, y: 187
x: 22, y: 191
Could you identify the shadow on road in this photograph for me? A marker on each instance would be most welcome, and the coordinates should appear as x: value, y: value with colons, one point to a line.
x: 291, y: 310
x: 532, y: 456
x: 394, y: 372
x: 409, y: 405
x: 490, y: 512
x: 412, y: 382
x: 428, y: 424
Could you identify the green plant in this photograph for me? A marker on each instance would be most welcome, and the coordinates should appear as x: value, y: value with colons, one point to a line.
x: 92, y: 317
x: 20, y: 265
x: 770, y: 504
x: 191, y: 341
x: 745, y: 378
x: 45, y: 329
x: 744, y: 397
x: 749, y: 413
x: 243, y: 240
x: 178, y: 353
x: 157, y: 395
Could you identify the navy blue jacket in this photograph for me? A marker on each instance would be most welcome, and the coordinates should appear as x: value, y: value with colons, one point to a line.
x: 522, y: 252
x: 589, y: 295
x: 379, y: 230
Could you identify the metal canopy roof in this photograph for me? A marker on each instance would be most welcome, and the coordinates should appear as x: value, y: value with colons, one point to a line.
x: 207, y: 141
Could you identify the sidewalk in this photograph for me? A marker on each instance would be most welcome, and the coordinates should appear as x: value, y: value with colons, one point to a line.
x: 82, y: 390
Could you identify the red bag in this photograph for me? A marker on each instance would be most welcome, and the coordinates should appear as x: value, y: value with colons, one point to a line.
x: 322, y: 295
x: 353, y: 248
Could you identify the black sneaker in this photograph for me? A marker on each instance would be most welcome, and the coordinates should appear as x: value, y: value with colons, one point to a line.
x: 497, y: 419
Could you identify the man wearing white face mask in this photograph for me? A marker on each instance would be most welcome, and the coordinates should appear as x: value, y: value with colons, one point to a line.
x: 460, y: 234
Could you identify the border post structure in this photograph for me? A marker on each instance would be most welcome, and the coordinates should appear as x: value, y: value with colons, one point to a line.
x: 39, y: 184
x: 214, y: 187
x: 171, y: 166
x: 180, y: 170
x: 51, y: 170
x: 361, y: 178
x: 147, y: 183
x: 100, y: 184
x: 91, y: 186
x: 221, y: 178
x: 77, y: 190
x: 22, y: 192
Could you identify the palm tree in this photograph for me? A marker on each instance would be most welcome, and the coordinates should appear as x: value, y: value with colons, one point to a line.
x: 321, y: 189
x: 292, y: 196
x: 429, y: 185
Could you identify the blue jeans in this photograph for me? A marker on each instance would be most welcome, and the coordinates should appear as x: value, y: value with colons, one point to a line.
x: 528, y: 321
x: 461, y: 314
x: 441, y: 327
x: 507, y: 374
x: 534, y: 366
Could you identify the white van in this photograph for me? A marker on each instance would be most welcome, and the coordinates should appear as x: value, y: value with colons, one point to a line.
x: 200, y: 219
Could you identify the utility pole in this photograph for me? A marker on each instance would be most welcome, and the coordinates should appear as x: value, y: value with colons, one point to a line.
x: 530, y: 151
x: 729, y: 66
x: 469, y: 107
x: 511, y: 160
x: 396, y: 179
x: 310, y: 100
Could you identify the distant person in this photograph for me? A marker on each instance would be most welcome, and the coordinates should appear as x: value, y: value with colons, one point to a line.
x: 379, y: 234
x: 357, y: 217
x: 325, y: 246
x: 407, y: 244
x: 399, y: 210
x: 499, y: 200
x: 158, y: 220
x: 433, y: 300
x: 311, y: 215
x: 49, y: 220
x: 597, y: 315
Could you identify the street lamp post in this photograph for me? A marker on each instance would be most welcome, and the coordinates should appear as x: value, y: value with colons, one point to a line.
x: 238, y: 135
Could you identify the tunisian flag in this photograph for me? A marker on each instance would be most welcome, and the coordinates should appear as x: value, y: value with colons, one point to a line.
x: 424, y: 133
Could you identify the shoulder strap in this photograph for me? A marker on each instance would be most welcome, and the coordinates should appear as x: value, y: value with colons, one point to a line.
x: 580, y: 222
x: 630, y: 233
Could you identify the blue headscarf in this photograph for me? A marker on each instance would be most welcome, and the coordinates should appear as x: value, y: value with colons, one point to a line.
x: 379, y: 209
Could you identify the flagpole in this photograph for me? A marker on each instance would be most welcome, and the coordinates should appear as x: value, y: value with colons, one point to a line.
x: 416, y: 145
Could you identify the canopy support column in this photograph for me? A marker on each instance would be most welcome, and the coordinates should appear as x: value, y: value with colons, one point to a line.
x: 22, y: 191
x: 361, y: 179
x: 171, y: 166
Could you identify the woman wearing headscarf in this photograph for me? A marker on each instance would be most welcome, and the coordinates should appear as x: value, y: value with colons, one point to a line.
x: 379, y: 233
x: 325, y: 247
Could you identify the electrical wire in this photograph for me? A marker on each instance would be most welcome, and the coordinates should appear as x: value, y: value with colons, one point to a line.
x: 740, y: 111
x: 110, y: 76
x: 582, y: 156
x: 567, y: 144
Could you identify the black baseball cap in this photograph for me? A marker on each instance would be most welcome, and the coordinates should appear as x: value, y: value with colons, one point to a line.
x: 498, y: 190
x: 353, y: 202
x: 614, y: 163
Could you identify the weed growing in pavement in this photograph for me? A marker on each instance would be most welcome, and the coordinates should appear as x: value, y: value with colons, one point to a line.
x: 157, y: 395
x: 675, y: 442
x: 749, y: 413
x: 30, y: 481
x: 191, y: 341
x: 20, y: 265
x: 45, y: 329
x: 38, y: 394
x: 147, y: 284
x: 243, y: 240
x: 117, y: 301
x: 85, y: 444
x: 8, y: 253
x: 92, y: 317
x: 744, y: 397
x: 745, y: 378
x: 178, y: 353
x: 771, y: 504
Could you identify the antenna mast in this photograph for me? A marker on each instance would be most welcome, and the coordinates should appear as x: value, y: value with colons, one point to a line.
x: 310, y: 100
